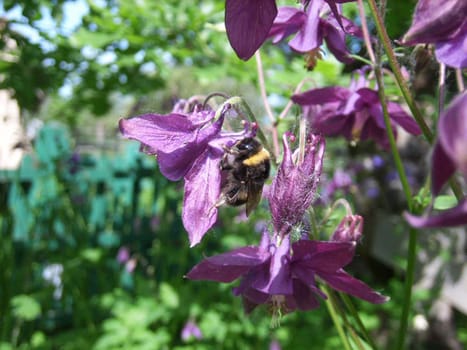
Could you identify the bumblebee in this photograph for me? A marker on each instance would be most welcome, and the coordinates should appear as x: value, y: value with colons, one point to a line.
x: 246, y: 165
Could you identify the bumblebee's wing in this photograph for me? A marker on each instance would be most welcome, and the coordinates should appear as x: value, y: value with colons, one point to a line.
x: 254, y: 196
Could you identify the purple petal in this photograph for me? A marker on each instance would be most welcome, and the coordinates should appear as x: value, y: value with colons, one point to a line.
x: 330, y: 124
x: 335, y: 40
x: 280, y: 281
x: 343, y: 282
x: 308, y: 37
x: 226, y: 267
x: 257, y: 278
x: 403, y: 119
x: 452, y: 127
x: 336, y: 11
x: 248, y: 23
x: 307, y: 276
x: 202, y: 191
x: 435, y: 21
x: 453, y: 52
x: 288, y: 21
x: 349, y: 230
x: 252, y: 298
x: 442, y: 168
x: 160, y: 132
x: 303, y: 296
x: 447, y: 218
x: 322, y: 96
x: 322, y: 256
x: 293, y: 189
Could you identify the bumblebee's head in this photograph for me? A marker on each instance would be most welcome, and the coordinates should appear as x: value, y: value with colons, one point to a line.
x: 248, y: 146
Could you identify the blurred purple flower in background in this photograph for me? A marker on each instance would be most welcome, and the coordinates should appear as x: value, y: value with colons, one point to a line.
x: 123, y: 255
x: 274, y: 345
x: 449, y: 155
x: 444, y: 24
x: 124, y: 258
x: 310, y: 29
x: 354, y: 113
x: 341, y: 181
x: 191, y: 330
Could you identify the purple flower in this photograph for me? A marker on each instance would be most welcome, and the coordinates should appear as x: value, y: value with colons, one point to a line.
x: 123, y: 255
x: 191, y: 330
x: 187, y: 146
x: 341, y: 180
x: 310, y: 29
x: 353, y: 112
x: 350, y: 229
x: 247, y: 24
x: 443, y: 23
x: 449, y: 155
x: 293, y: 189
x: 283, y: 275
x: 274, y: 345
x: 450, y: 150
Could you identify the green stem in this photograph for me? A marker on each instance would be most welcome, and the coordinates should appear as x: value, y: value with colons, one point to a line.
x: 392, y: 139
x: 353, y: 311
x: 411, y: 254
x: 409, y: 278
x: 330, y: 304
x: 383, y: 35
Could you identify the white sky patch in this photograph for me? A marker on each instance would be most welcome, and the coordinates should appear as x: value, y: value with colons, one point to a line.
x: 139, y: 56
x: 106, y: 58
x: 148, y: 68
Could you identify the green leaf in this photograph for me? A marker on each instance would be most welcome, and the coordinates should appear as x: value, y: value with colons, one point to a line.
x: 25, y: 307
x: 92, y: 255
x: 95, y: 39
x: 445, y: 202
x: 169, y: 296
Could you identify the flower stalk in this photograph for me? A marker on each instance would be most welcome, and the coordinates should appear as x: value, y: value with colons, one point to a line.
x: 383, y: 35
x: 330, y: 304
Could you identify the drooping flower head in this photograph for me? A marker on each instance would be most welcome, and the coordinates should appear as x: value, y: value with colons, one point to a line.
x: 294, y: 187
x: 449, y: 155
x: 354, y: 113
x: 444, y: 24
x: 350, y: 229
x: 249, y: 24
x: 189, y: 146
x: 310, y: 29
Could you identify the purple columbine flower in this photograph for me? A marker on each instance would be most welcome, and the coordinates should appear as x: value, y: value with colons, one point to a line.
x: 284, y: 274
x: 191, y: 330
x: 353, y: 112
x: 341, y: 180
x: 293, y: 189
x: 444, y: 24
x: 310, y: 29
x: 350, y: 229
x: 449, y: 155
x: 188, y: 146
x: 247, y: 24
